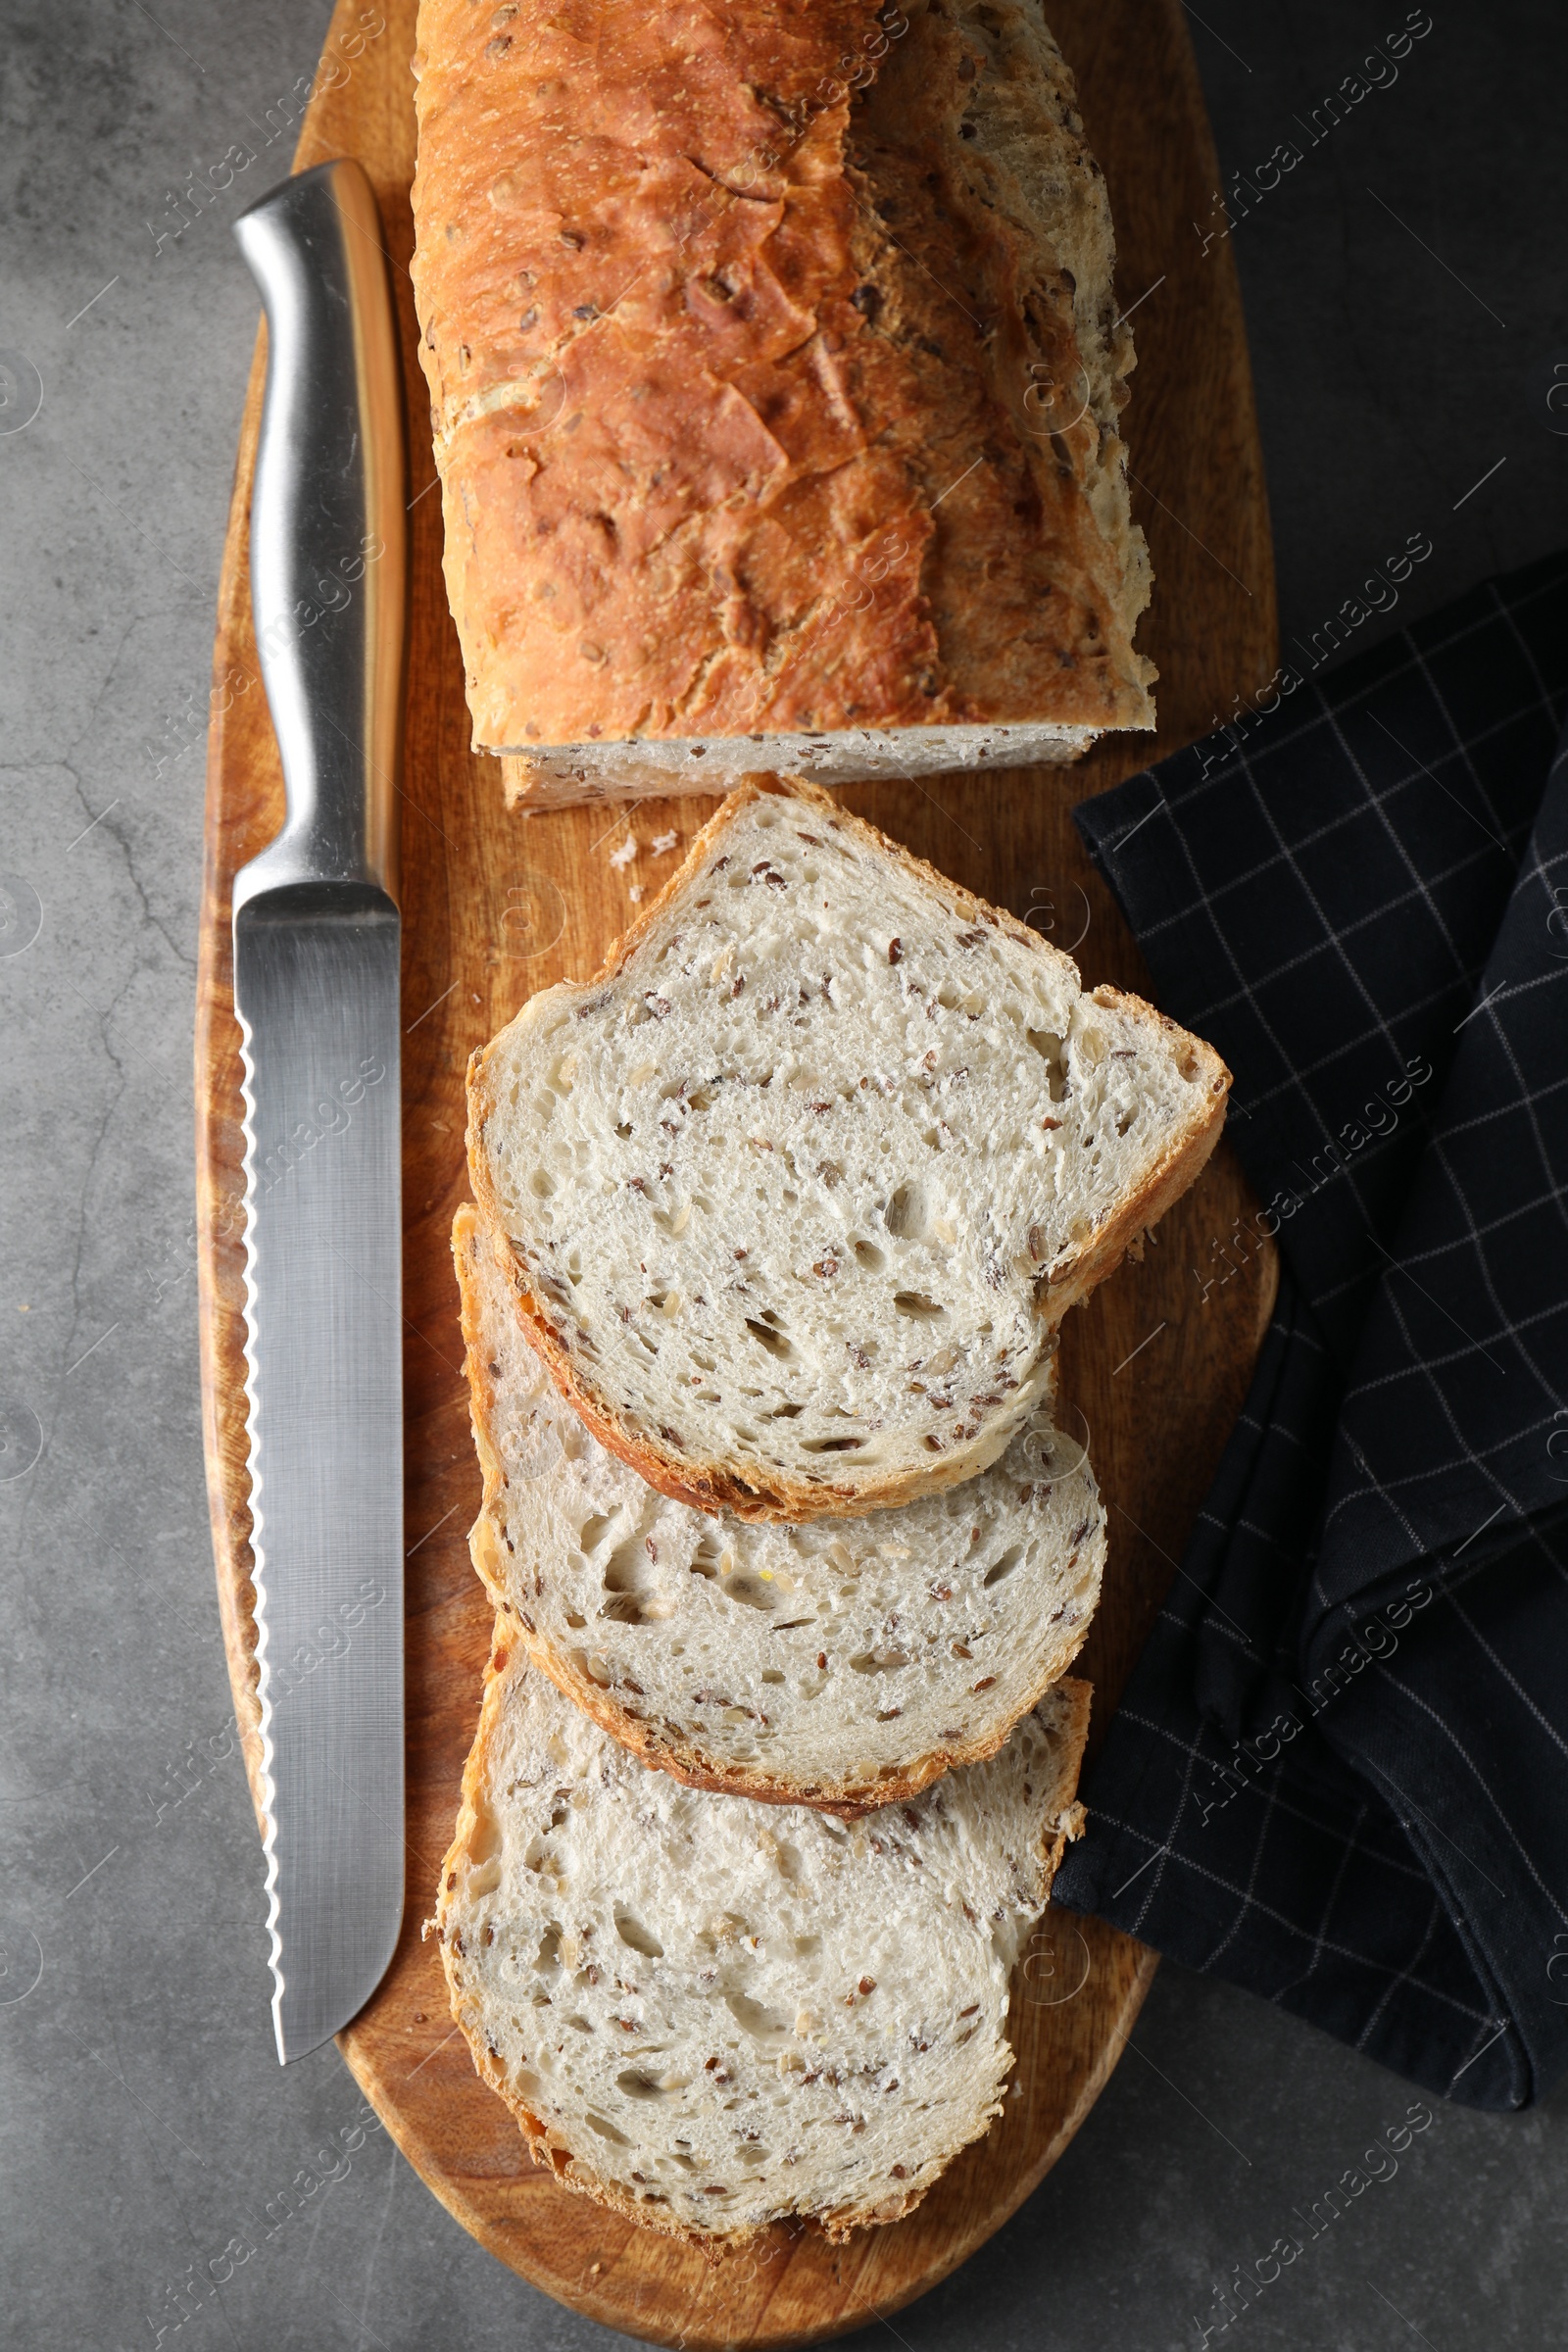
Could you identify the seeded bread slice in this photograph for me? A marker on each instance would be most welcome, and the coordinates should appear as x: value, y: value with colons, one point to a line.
x: 801, y: 1184
x: 844, y: 1664
x: 712, y: 2015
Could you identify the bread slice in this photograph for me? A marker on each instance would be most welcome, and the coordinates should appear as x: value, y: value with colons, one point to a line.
x: 841, y: 1665
x: 802, y: 1182
x: 712, y: 2015
x: 776, y: 373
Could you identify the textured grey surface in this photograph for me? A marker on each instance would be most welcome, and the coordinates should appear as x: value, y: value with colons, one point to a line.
x: 145, y: 2121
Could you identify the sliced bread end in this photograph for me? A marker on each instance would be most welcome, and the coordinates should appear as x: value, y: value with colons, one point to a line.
x: 573, y: 775
x: 701, y: 2011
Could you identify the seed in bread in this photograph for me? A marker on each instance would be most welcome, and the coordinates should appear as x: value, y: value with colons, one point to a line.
x: 713, y: 2015
x: 844, y: 1665
x: 801, y: 1184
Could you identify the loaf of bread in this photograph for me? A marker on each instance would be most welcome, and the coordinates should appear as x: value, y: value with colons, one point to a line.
x: 776, y: 370
x: 844, y: 1665
x: 800, y: 1184
x: 712, y: 2015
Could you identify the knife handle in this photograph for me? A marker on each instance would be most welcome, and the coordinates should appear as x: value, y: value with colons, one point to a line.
x: 329, y: 530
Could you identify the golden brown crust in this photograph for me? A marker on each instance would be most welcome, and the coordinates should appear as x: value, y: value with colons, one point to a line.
x: 705, y: 390
x: 1175, y: 1175
x: 707, y: 1484
x: 546, y: 2144
x: 685, y: 1760
x: 1064, y: 1815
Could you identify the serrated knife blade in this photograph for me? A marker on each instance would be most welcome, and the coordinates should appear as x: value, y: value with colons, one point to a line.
x: 316, y: 937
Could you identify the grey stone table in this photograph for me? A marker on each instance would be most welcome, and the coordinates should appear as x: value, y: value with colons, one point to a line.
x: 1407, y: 301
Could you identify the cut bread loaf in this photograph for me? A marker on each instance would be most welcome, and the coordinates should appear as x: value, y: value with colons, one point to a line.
x: 712, y: 2015
x: 800, y: 1184
x: 842, y: 1665
x: 776, y: 368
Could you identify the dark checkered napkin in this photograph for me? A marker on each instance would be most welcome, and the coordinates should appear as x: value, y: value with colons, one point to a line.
x: 1340, y: 1771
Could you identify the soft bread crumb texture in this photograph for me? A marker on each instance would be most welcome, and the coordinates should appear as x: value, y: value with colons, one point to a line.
x: 843, y: 1664
x: 713, y: 2015
x: 800, y: 1186
x: 776, y: 369
x: 576, y: 775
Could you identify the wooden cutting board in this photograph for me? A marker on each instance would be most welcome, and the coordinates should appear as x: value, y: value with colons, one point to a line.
x: 496, y: 907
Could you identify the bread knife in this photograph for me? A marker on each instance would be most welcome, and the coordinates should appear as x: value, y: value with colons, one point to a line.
x: 316, y: 931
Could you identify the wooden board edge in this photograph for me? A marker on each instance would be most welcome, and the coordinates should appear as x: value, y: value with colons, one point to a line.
x: 1244, y: 387
x: 1145, y: 1966
x: 602, y: 2306
x: 212, y: 1051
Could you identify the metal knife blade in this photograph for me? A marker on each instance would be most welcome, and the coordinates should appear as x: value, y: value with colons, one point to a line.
x: 316, y: 933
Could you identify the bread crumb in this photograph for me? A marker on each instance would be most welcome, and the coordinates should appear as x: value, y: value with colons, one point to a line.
x: 663, y: 844
x: 622, y: 856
